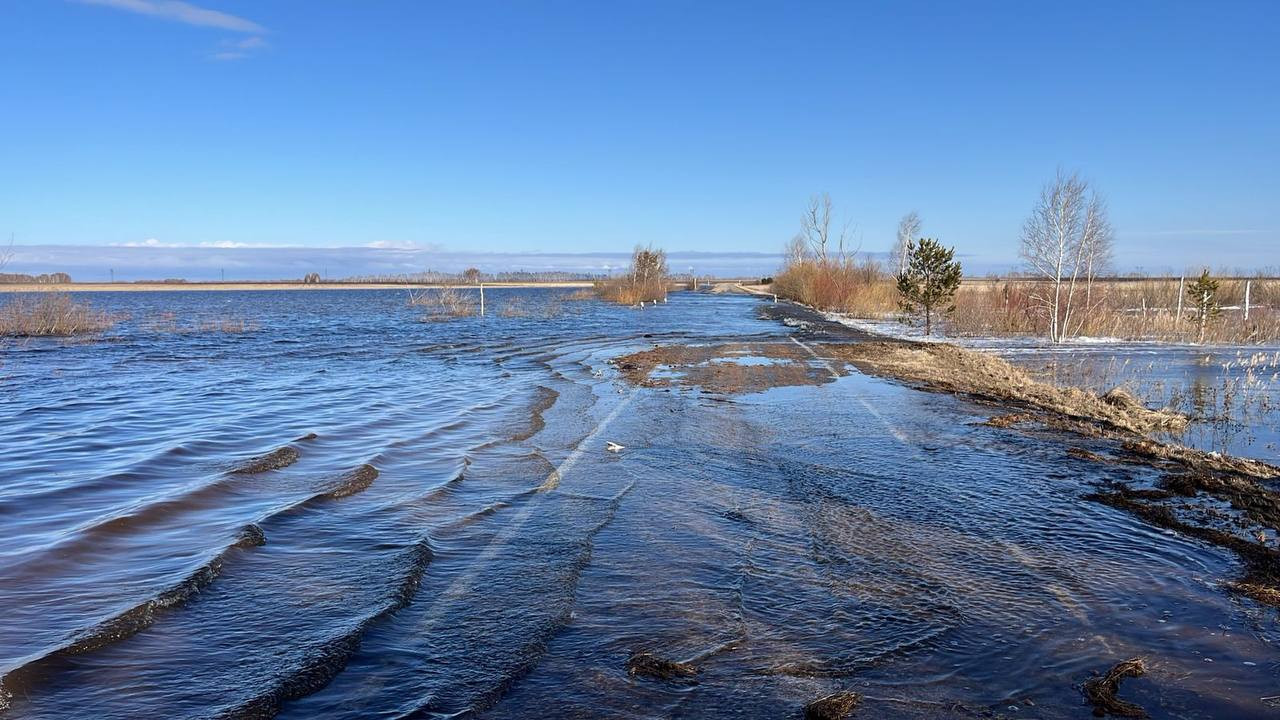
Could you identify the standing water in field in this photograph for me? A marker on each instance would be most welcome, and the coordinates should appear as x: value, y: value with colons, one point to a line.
x: 317, y: 505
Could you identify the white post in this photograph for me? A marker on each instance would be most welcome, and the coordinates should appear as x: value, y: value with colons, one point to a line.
x: 1247, y: 283
x: 481, y: 299
x: 1181, y: 291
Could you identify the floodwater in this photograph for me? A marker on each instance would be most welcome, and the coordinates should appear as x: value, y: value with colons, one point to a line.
x: 1230, y: 393
x: 853, y: 534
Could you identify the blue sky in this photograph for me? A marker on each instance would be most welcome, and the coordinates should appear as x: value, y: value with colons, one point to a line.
x: 555, y: 127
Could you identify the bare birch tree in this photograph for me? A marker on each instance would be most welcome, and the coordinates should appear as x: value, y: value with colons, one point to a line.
x: 815, y: 227
x: 908, y: 232
x: 1066, y: 241
x: 1096, y: 247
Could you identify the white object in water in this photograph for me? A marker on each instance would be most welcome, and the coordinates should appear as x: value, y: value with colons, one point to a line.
x: 613, y: 446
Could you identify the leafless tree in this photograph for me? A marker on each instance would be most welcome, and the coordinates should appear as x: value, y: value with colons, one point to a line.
x: 908, y: 232
x: 1066, y: 240
x: 815, y: 228
x: 1095, y: 252
x: 797, y: 251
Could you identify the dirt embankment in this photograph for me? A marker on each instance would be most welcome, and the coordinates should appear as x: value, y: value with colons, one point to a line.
x: 949, y: 368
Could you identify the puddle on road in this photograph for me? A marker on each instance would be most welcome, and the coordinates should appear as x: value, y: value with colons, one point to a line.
x: 728, y: 368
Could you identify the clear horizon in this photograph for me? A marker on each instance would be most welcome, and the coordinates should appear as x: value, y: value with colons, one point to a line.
x: 196, y: 137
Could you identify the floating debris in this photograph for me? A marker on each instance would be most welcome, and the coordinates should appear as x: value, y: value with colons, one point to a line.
x: 836, y: 706
x: 1101, y: 691
x: 648, y: 665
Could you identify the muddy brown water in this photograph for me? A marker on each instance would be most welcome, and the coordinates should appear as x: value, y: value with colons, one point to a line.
x: 806, y: 539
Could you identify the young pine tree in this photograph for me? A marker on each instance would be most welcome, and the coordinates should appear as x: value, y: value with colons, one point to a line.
x: 930, y: 280
x: 1203, y: 293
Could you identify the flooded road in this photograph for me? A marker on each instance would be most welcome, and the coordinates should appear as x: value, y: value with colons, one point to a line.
x: 495, y: 560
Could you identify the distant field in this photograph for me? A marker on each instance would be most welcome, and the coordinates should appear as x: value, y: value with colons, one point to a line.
x: 161, y: 286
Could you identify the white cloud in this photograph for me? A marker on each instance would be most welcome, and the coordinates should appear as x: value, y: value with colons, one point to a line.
x: 182, y: 12
x: 149, y: 242
x: 209, y: 244
x: 393, y: 245
x: 238, y: 49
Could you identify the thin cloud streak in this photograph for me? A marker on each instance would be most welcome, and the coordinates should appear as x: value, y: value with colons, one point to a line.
x: 1164, y: 233
x: 156, y: 259
x: 182, y: 12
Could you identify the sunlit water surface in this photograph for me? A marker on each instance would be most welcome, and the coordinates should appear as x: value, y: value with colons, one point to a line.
x: 856, y: 534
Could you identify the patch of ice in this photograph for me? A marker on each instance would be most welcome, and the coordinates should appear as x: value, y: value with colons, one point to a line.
x: 884, y: 327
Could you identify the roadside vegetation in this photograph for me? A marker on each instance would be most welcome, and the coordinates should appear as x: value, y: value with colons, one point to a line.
x: 928, y: 280
x: 647, y: 279
x: 51, y: 314
x: 1065, y: 290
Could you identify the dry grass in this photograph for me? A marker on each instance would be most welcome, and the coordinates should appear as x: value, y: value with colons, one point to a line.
x: 858, y: 288
x: 954, y: 369
x: 1126, y: 308
x: 51, y: 314
x: 628, y: 291
x: 577, y: 295
x: 646, y: 280
x: 444, y: 303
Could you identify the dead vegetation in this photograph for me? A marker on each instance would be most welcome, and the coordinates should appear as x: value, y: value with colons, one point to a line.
x: 1118, y: 307
x: 51, y: 314
x: 443, y: 303
x: 1101, y: 691
x: 646, y: 280
x: 836, y: 706
x: 949, y: 368
x: 644, y: 664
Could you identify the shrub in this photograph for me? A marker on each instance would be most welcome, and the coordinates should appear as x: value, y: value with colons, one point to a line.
x: 51, y: 314
x: 443, y: 303
x: 645, y: 281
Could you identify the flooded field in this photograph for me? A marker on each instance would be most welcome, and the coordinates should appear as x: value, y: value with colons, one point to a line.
x: 1232, y: 394
x: 311, y: 504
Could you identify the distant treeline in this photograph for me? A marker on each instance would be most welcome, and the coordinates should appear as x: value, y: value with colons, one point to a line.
x: 41, y: 279
x: 472, y: 275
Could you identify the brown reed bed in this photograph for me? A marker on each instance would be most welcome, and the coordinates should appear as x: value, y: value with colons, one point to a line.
x: 1122, y: 308
x: 440, y: 304
x: 52, y: 314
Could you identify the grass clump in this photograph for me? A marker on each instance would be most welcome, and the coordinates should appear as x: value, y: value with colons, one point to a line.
x: 51, y: 314
x: 646, y: 280
x: 443, y: 303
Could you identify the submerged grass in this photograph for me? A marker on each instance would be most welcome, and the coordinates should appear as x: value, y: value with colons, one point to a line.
x: 443, y: 303
x: 51, y: 314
